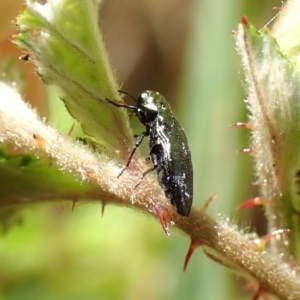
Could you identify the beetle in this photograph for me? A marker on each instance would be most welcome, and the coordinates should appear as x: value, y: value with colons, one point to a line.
x: 169, y: 150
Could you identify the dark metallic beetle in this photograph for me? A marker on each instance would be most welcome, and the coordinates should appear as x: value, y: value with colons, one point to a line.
x: 169, y: 151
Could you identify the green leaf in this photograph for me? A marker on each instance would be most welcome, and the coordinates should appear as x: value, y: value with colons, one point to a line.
x: 273, y: 89
x: 286, y: 31
x: 71, y: 55
x: 25, y: 178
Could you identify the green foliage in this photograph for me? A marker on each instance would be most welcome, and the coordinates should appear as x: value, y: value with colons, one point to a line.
x: 25, y: 176
x: 273, y: 87
x: 73, y: 57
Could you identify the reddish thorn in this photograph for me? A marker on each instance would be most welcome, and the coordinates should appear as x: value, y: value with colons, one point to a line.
x: 193, y: 246
x: 244, y: 20
x: 73, y: 205
x: 208, y: 201
x: 103, y: 208
x: 71, y: 130
x: 273, y: 234
x: 242, y: 125
x: 252, y: 202
x: 257, y: 294
x: 163, y: 222
x: 260, y: 243
x: 278, y: 7
x: 163, y: 218
x: 260, y: 292
x: 246, y: 150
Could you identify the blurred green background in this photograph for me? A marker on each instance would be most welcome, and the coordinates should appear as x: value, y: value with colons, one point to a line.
x: 183, y: 49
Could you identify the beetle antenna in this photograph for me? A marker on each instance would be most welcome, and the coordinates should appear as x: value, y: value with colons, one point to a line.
x: 123, y: 92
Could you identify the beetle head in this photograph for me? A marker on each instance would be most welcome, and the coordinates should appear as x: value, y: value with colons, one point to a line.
x: 147, y: 106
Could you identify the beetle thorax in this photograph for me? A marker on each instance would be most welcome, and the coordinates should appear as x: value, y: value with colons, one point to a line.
x: 147, y: 108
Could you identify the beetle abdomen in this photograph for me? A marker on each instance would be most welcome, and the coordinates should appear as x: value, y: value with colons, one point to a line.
x: 171, y: 156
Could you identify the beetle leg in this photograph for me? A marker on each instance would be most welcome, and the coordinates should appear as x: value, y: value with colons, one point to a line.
x: 143, y: 176
x: 138, y: 141
x: 135, y: 108
x: 155, y: 165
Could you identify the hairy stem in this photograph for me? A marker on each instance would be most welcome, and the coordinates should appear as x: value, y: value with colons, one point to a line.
x: 18, y: 123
